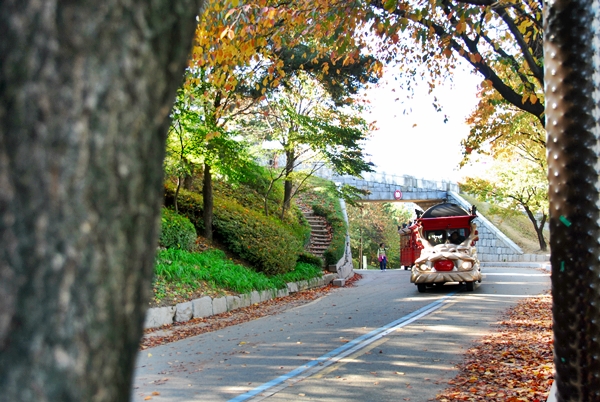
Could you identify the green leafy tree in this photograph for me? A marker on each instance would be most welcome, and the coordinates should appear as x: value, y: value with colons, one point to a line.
x: 311, y: 128
x: 199, y: 134
x: 374, y: 223
x: 514, y: 186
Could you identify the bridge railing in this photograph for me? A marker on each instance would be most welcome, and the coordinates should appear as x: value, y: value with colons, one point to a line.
x: 406, y: 181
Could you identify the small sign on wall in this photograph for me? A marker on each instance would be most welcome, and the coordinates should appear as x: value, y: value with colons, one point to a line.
x: 398, y: 195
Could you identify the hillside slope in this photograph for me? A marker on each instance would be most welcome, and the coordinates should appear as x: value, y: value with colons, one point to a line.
x: 517, y: 228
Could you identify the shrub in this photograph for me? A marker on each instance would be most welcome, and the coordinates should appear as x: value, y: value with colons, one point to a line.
x: 261, y: 241
x: 176, y: 231
x: 189, y: 204
x: 329, y: 207
x: 264, y: 242
x: 336, y: 249
x: 308, y: 258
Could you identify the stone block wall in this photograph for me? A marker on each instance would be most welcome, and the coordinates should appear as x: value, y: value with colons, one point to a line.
x: 493, y: 245
x: 344, y: 267
x: 207, y: 306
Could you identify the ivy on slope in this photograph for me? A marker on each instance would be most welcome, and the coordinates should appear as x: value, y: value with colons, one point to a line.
x: 271, y: 246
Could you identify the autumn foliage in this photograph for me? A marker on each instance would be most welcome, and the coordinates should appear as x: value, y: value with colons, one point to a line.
x: 512, y: 364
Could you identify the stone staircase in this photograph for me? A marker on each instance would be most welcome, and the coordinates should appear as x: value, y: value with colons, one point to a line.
x: 320, y: 233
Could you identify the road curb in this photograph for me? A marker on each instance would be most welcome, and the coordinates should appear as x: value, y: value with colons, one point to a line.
x: 207, y: 306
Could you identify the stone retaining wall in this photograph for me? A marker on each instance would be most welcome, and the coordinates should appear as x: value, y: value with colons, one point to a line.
x: 344, y: 267
x: 493, y: 245
x: 207, y: 306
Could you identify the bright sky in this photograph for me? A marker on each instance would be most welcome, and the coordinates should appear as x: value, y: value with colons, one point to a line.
x: 419, y: 143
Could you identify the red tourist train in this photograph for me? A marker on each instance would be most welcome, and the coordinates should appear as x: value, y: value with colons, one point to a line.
x: 439, y: 247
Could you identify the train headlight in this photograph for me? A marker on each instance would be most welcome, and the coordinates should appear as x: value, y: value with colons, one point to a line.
x: 466, y: 265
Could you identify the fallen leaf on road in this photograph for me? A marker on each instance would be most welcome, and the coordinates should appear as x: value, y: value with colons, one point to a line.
x: 197, y: 326
x: 512, y: 364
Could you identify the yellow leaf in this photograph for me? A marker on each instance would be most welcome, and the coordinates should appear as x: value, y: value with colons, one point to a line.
x: 229, y: 13
x: 212, y: 135
x: 533, y: 98
x: 225, y: 32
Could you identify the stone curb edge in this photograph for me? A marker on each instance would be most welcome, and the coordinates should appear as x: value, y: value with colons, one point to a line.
x: 207, y: 306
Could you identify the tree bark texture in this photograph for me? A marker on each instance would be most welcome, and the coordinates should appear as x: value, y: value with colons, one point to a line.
x: 85, y: 92
x: 288, y: 184
x: 539, y: 227
x: 207, y: 202
x: 572, y: 51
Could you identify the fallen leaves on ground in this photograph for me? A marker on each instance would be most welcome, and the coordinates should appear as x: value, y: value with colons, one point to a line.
x: 513, y: 363
x: 177, y: 331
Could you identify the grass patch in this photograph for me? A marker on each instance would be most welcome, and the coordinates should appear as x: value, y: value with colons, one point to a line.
x: 185, y: 273
x: 517, y: 228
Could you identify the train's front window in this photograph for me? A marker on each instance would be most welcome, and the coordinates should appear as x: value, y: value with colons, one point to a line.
x: 436, y: 237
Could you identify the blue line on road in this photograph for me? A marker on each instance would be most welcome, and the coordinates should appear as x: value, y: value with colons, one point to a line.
x: 346, y: 349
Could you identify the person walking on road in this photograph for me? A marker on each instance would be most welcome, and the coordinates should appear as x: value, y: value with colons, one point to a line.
x: 382, y: 257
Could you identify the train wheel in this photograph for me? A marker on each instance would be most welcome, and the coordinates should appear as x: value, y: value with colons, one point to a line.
x: 421, y: 287
x: 469, y: 286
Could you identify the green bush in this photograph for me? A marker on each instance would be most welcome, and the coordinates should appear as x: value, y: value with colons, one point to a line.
x: 329, y: 207
x: 176, y: 231
x: 261, y: 241
x: 188, y: 203
x: 309, y: 258
x: 336, y: 249
x: 269, y: 245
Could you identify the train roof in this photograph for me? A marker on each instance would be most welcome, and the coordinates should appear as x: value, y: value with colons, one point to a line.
x: 444, y: 210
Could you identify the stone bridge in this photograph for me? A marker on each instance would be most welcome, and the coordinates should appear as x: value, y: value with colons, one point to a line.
x: 494, y: 248
x: 383, y: 187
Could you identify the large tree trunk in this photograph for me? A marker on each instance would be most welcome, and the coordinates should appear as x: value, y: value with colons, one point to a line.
x: 85, y: 91
x: 539, y: 228
x: 288, y: 184
x: 572, y: 86
x: 208, y: 202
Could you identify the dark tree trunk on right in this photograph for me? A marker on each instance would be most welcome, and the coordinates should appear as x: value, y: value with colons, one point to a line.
x: 572, y: 87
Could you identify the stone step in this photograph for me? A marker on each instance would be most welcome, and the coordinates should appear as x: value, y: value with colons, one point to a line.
x: 319, y: 246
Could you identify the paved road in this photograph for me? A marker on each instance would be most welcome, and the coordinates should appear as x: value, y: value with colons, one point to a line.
x: 377, y: 341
